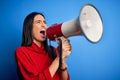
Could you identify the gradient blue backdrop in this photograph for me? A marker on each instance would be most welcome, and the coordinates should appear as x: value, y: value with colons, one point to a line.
x: 88, y: 61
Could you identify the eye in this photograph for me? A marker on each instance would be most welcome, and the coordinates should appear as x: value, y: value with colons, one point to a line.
x: 44, y: 22
x: 38, y: 21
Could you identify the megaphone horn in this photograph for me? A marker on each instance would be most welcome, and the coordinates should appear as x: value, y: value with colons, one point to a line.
x: 88, y: 23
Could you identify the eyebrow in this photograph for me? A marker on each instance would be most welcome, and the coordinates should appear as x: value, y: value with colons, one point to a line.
x: 37, y: 20
x: 40, y: 20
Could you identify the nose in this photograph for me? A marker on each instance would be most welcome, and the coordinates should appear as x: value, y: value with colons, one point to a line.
x: 43, y: 25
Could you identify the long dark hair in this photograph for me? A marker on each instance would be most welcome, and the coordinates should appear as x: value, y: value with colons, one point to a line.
x: 27, y: 34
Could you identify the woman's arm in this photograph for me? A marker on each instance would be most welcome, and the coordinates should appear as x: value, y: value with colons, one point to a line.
x: 64, y: 72
x: 66, y: 46
x: 54, y: 66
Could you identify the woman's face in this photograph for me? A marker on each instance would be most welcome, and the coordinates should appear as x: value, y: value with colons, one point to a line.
x: 39, y: 29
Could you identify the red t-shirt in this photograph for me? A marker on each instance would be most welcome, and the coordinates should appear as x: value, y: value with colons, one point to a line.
x: 33, y: 63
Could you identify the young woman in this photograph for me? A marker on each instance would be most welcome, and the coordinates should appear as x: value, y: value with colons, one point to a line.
x: 35, y: 59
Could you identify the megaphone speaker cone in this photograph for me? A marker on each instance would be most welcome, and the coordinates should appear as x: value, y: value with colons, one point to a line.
x: 91, y: 23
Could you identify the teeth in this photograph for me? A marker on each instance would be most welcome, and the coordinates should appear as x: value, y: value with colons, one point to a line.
x: 43, y: 30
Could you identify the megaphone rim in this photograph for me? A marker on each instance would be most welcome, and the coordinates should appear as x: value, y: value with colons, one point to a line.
x: 88, y: 4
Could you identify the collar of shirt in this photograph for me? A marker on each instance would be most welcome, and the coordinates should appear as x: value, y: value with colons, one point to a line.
x: 36, y: 48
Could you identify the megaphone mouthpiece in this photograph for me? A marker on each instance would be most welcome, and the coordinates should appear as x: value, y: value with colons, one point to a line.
x: 54, y: 31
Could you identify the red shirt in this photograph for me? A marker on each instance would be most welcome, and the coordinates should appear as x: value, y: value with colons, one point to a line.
x: 33, y: 63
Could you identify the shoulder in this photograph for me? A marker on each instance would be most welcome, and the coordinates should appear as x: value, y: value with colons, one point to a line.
x: 20, y: 51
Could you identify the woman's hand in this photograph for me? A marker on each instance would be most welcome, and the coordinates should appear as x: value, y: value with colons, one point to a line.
x: 66, y: 48
x: 66, y: 51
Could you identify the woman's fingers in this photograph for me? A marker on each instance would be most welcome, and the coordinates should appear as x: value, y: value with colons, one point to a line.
x: 66, y: 47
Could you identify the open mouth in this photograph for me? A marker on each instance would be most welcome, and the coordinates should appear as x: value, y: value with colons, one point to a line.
x: 42, y: 31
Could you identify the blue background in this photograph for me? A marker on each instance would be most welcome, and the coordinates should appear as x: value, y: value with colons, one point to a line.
x: 88, y: 61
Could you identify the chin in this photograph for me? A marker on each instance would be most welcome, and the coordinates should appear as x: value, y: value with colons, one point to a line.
x: 42, y: 40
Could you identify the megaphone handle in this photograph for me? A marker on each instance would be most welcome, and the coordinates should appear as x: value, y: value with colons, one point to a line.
x: 60, y: 54
x: 59, y: 41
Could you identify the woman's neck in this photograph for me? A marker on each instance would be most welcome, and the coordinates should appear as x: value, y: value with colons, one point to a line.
x: 38, y: 43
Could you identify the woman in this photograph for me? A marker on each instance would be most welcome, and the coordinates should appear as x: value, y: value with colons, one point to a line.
x: 35, y: 59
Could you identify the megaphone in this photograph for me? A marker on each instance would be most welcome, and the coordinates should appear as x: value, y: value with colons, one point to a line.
x: 88, y: 23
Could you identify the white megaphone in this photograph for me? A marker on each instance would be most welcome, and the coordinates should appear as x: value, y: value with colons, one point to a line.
x: 89, y: 23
